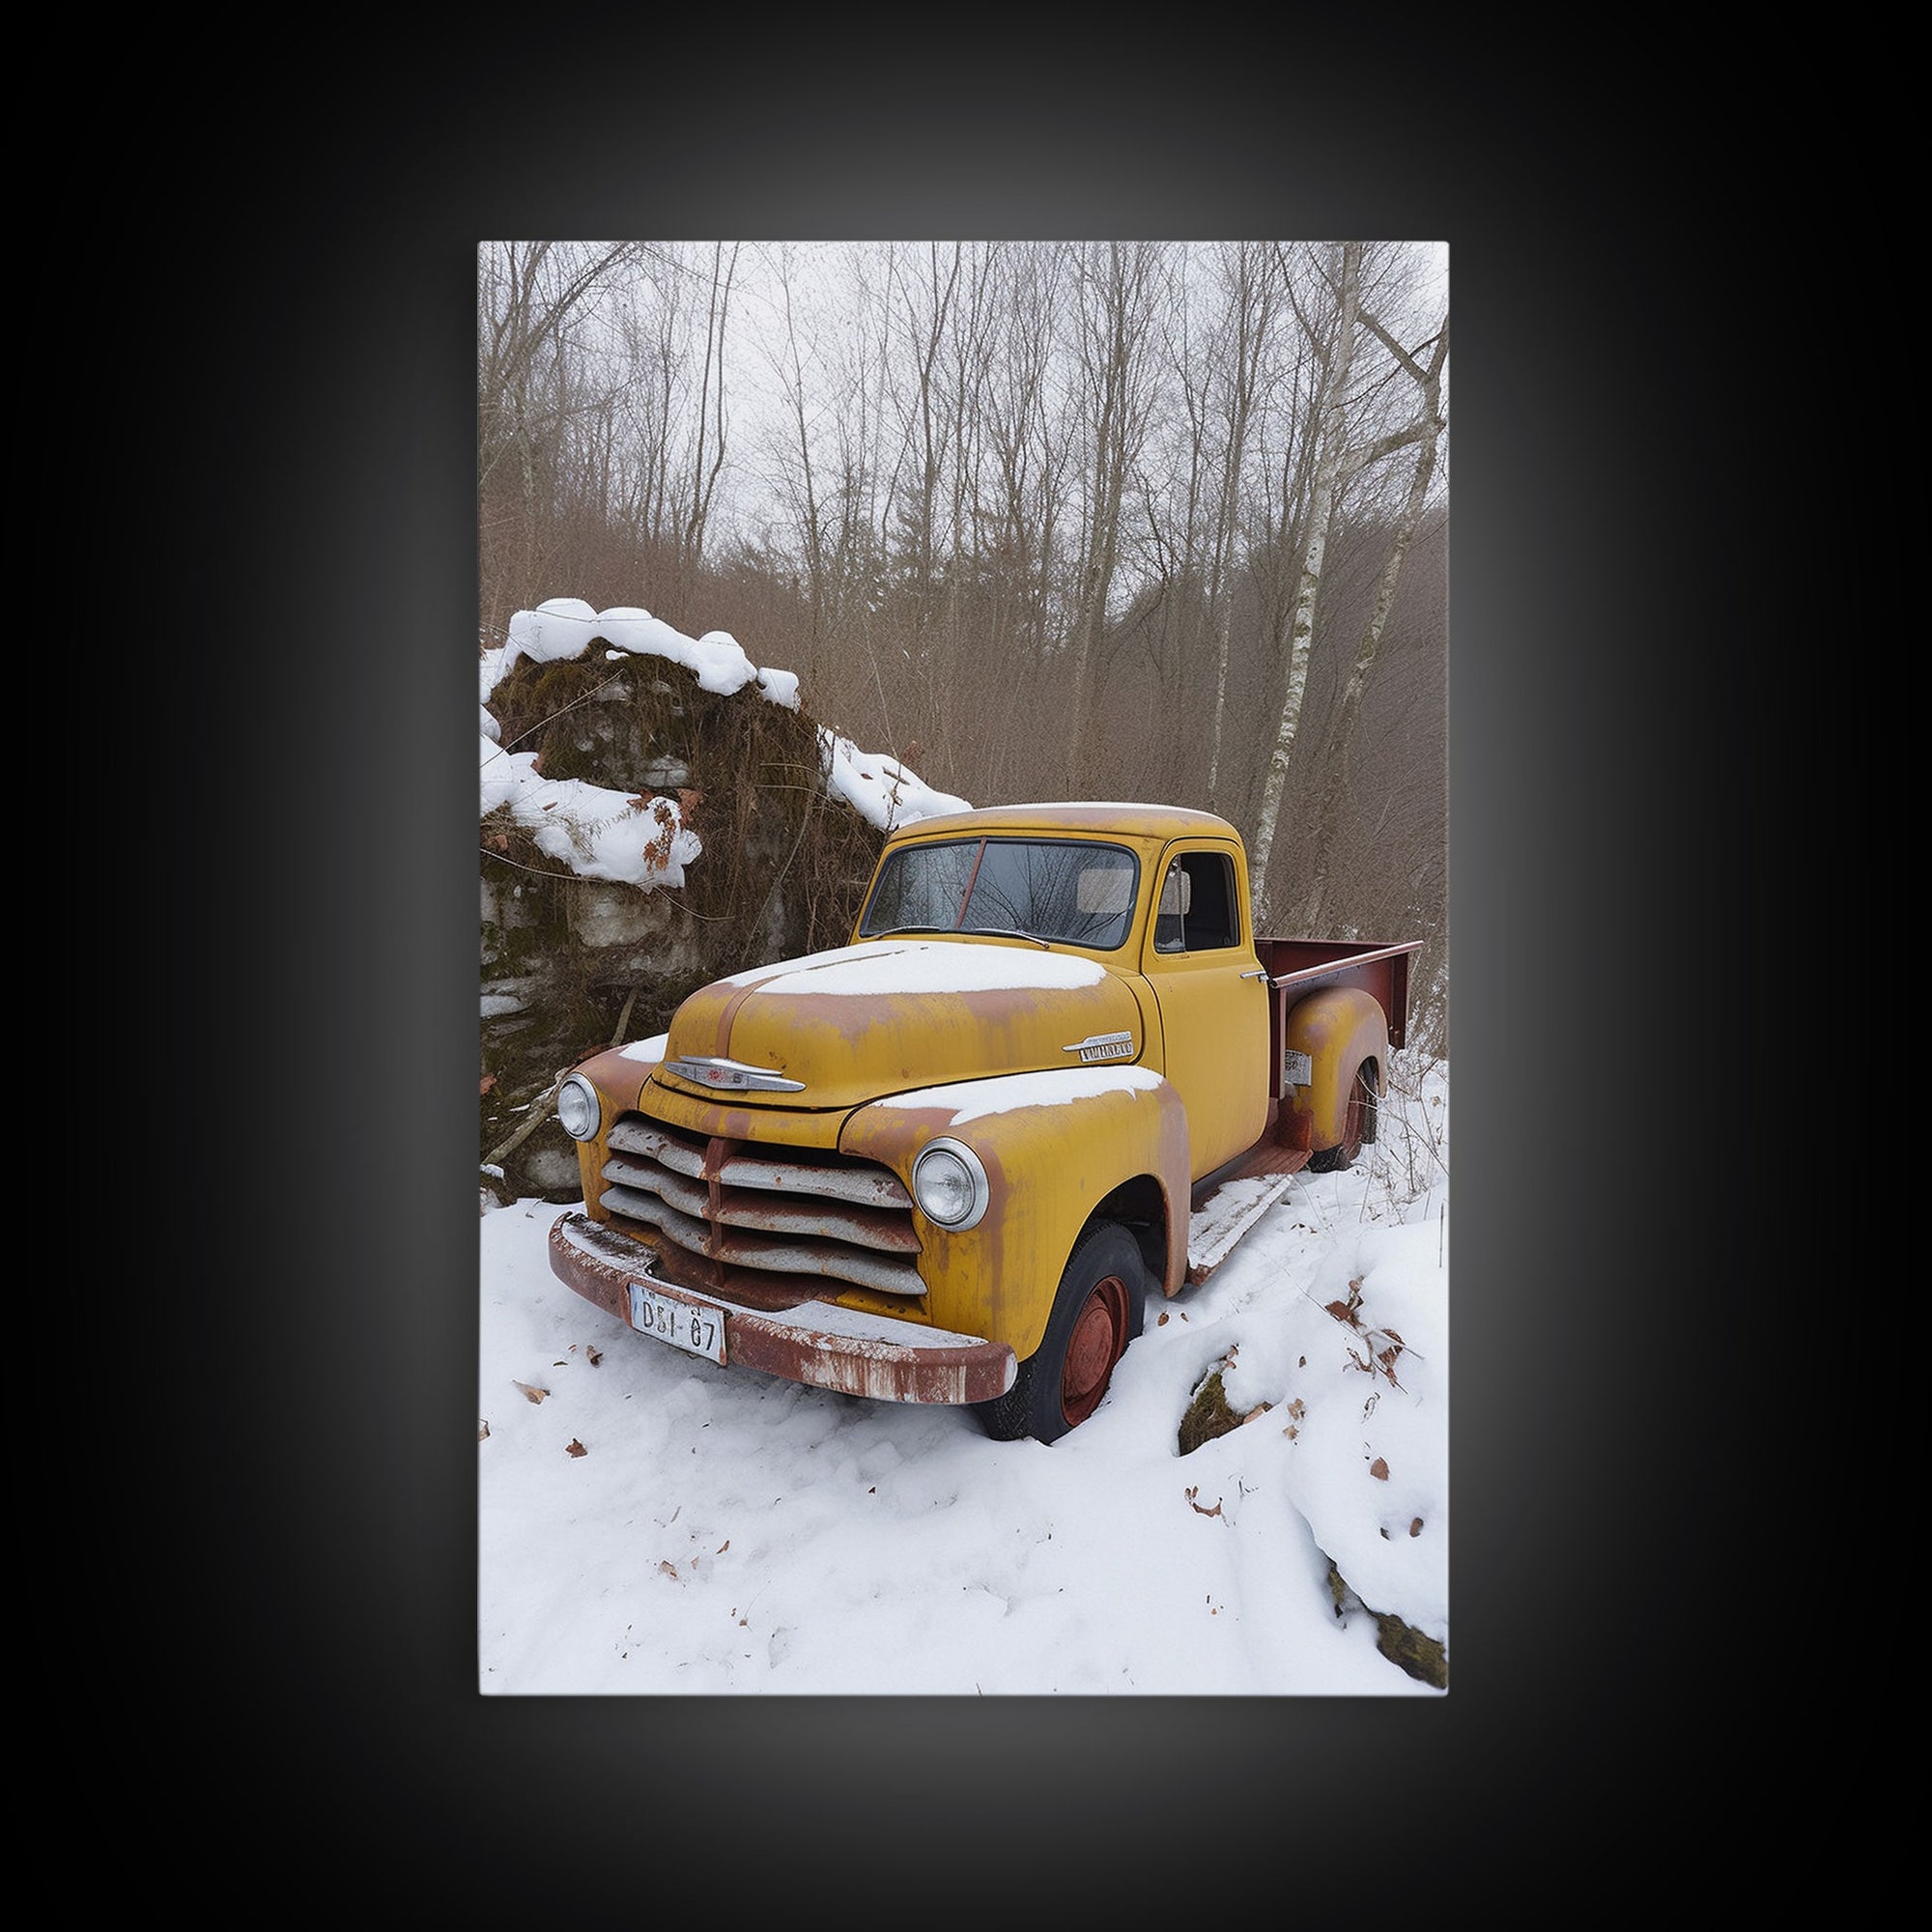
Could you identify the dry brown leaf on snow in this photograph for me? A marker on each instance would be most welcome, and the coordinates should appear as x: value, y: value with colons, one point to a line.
x: 1415, y: 1527
x: 575, y: 1448
x: 482, y: 1430
x: 667, y: 1570
x: 596, y: 1355
x: 1346, y: 1311
x: 1193, y: 1490
x: 722, y: 1547
x: 1379, y: 1470
x: 531, y: 1391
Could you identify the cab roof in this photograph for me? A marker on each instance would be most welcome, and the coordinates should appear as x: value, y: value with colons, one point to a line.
x: 1128, y: 819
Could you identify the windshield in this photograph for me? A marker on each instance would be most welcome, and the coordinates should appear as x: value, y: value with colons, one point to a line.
x: 1043, y: 889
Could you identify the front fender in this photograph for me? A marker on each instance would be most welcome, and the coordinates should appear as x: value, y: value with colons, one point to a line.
x: 1053, y: 1145
x: 1340, y: 1029
x: 619, y: 1073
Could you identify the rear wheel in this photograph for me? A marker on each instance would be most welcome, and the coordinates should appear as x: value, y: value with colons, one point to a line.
x: 1358, y: 1125
x: 1098, y: 1310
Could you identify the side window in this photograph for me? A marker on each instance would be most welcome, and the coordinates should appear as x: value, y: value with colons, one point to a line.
x: 1199, y: 908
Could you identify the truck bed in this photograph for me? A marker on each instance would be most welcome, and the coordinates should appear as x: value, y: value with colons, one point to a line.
x: 1296, y: 967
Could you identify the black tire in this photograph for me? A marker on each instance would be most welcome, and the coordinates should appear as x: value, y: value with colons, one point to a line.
x: 1097, y: 1310
x: 1358, y: 1125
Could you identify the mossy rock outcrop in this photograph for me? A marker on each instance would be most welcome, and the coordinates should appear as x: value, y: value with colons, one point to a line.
x: 570, y: 964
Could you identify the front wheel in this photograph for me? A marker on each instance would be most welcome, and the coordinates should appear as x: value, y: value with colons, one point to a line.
x: 1097, y: 1310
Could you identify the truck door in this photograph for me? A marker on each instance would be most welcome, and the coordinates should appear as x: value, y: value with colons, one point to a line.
x: 1214, y: 1022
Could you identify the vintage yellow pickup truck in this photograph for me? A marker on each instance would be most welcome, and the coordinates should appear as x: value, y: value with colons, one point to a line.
x: 1055, y: 1071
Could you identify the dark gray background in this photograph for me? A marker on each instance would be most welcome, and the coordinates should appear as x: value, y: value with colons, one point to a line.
x: 305, y: 475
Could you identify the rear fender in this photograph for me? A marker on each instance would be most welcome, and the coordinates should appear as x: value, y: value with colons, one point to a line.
x: 1340, y: 1030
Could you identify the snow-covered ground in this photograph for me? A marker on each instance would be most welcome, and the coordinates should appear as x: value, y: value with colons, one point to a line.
x: 652, y: 1523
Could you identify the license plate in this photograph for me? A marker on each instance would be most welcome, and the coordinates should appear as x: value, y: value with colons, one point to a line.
x: 694, y: 1326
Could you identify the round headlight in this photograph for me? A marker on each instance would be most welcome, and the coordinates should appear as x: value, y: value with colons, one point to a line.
x: 949, y: 1185
x: 577, y: 1107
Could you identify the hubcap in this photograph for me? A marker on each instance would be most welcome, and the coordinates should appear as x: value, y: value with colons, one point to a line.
x: 1092, y: 1348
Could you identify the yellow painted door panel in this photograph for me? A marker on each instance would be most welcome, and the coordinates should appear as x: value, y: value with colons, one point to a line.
x: 1200, y: 960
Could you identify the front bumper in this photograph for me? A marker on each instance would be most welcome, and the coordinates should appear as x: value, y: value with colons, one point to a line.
x: 815, y: 1342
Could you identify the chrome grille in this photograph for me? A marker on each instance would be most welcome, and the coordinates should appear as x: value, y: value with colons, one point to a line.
x: 731, y: 1203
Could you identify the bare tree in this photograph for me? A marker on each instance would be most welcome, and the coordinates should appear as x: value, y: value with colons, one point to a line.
x: 1118, y: 284
x: 1028, y: 449
x: 529, y: 297
x: 1249, y: 277
x: 707, y: 455
x: 798, y: 364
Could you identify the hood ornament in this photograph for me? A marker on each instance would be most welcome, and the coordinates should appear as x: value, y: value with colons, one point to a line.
x: 730, y: 1075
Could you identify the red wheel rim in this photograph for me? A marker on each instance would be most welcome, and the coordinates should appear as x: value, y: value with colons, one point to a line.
x: 1098, y: 1337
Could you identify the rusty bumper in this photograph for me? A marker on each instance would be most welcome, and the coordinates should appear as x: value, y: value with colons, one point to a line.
x: 815, y: 1342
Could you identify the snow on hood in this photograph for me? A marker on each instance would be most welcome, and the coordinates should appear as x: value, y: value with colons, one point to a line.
x: 877, y: 966
x: 890, y: 1017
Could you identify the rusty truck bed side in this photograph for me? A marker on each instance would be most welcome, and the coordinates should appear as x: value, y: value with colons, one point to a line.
x: 1296, y: 967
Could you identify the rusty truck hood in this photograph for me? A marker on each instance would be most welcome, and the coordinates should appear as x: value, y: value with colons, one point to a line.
x: 889, y: 1016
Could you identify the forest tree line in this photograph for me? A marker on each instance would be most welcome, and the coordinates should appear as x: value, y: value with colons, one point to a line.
x: 1122, y: 520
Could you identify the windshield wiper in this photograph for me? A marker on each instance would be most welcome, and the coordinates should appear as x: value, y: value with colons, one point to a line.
x: 1009, y: 932
x: 988, y: 931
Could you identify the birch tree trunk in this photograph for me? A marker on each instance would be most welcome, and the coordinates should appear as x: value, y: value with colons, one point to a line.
x: 1328, y: 471
x: 1333, y: 803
